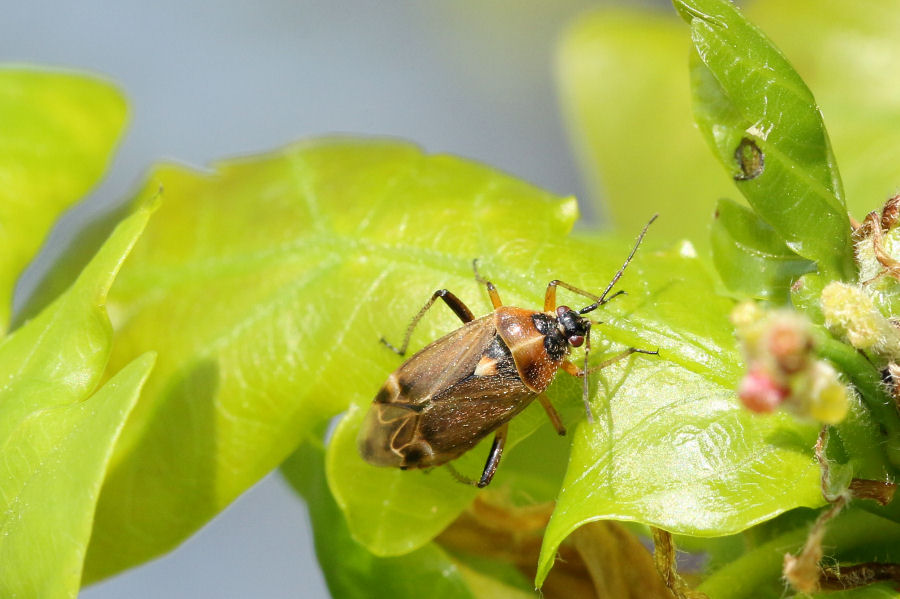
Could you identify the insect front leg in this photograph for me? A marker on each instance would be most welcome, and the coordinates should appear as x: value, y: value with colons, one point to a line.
x: 455, y: 304
x: 491, y: 289
x: 550, y: 295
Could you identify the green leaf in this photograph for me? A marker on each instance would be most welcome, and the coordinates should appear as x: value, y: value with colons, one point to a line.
x: 266, y: 332
x: 389, y: 511
x: 623, y: 86
x: 883, y: 590
x: 57, y: 429
x: 854, y: 536
x: 351, y: 571
x: 846, y: 51
x: 58, y: 132
x: 671, y: 446
x: 765, y: 127
x: 752, y: 260
x: 385, y: 507
x: 265, y: 287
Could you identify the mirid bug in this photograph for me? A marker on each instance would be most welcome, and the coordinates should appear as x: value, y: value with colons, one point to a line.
x: 454, y: 392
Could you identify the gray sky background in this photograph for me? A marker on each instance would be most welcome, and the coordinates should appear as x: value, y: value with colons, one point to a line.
x: 213, y: 80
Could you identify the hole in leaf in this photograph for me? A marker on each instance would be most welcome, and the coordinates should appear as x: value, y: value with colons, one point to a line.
x: 750, y: 160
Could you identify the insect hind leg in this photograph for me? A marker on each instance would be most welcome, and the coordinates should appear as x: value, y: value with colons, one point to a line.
x: 460, y: 477
x: 455, y: 304
x: 490, y: 466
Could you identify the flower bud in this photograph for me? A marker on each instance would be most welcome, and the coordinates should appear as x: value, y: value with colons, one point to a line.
x: 760, y: 393
x: 789, y: 341
x: 784, y: 371
x: 828, y: 398
x: 850, y: 313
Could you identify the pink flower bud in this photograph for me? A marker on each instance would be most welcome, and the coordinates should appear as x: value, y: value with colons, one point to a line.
x: 759, y: 392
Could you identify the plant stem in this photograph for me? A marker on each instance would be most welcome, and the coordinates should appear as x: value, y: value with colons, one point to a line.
x: 867, y: 380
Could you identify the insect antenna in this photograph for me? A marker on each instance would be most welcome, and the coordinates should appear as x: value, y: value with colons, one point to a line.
x: 619, y: 273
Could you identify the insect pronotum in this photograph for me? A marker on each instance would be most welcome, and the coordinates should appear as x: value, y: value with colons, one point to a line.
x: 457, y: 390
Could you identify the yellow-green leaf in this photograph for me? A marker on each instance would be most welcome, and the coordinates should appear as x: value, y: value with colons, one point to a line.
x: 624, y: 89
x: 265, y: 285
x: 57, y: 135
x: 57, y: 429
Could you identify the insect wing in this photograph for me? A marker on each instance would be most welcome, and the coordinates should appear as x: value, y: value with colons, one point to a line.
x: 471, y: 409
x: 390, y: 435
x: 439, y: 366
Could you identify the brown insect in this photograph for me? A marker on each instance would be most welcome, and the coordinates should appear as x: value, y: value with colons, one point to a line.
x: 454, y: 392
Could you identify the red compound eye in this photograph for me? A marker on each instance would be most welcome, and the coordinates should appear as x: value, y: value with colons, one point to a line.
x: 576, y: 340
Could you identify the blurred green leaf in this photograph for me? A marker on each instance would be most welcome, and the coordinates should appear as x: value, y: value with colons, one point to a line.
x: 624, y: 90
x: 847, y: 52
x: 883, y: 590
x: 58, y: 132
x: 350, y: 569
x: 751, y: 258
x: 765, y: 127
x: 57, y: 429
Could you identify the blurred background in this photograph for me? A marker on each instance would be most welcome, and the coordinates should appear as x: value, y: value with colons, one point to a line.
x: 213, y: 80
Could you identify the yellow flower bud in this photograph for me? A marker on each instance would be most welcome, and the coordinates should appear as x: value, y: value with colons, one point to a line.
x: 828, y: 400
x: 852, y: 314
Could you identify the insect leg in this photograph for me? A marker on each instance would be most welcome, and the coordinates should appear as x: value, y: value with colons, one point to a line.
x: 550, y: 296
x: 491, y: 289
x: 579, y: 372
x: 490, y: 467
x: 455, y: 304
x: 552, y: 414
x: 570, y: 368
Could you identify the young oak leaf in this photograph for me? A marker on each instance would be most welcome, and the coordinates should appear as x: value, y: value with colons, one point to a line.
x: 57, y: 429
x: 265, y: 332
x: 350, y: 569
x: 58, y: 132
x: 392, y: 512
x: 674, y: 449
x: 265, y: 287
x: 751, y: 258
